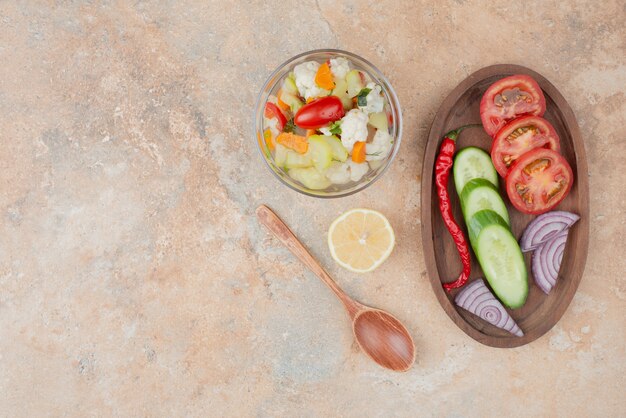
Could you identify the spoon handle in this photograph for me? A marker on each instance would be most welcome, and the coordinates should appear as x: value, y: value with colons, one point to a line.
x: 284, y: 234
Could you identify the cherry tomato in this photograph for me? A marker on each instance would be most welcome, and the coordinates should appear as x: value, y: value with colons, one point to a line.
x: 320, y: 112
x: 520, y: 136
x: 509, y: 98
x: 538, y: 181
x: 272, y: 111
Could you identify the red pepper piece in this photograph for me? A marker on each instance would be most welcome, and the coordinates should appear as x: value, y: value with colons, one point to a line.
x: 442, y: 173
x: 272, y: 111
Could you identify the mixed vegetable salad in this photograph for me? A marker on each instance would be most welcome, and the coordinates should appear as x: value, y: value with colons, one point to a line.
x: 525, y: 151
x: 327, y: 124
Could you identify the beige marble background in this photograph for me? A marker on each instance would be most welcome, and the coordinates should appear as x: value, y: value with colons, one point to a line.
x: 135, y: 281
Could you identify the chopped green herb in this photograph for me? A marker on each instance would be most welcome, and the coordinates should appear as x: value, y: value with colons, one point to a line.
x: 361, y: 98
x: 335, y: 128
x: 290, y: 126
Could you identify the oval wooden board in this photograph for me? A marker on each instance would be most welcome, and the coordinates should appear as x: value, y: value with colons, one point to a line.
x: 541, y: 312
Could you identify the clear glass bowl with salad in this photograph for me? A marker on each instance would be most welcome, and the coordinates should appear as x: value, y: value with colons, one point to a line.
x: 328, y: 123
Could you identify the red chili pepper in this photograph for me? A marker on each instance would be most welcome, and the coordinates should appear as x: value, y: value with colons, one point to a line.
x: 442, y: 172
x: 272, y: 111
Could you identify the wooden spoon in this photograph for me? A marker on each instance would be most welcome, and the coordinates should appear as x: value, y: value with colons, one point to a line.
x: 383, y: 338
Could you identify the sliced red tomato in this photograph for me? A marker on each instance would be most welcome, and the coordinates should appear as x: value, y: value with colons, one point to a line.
x: 509, y: 98
x: 538, y: 181
x: 320, y: 112
x: 272, y: 111
x: 520, y: 136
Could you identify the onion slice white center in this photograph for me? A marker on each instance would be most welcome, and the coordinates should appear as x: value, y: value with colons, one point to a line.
x: 478, y: 299
x: 545, y: 227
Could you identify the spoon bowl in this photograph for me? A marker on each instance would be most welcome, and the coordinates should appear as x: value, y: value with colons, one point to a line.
x: 383, y: 338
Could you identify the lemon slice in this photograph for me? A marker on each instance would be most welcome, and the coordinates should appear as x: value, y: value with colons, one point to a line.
x: 360, y: 240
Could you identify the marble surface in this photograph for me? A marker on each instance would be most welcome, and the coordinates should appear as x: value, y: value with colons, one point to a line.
x: 135, y: 281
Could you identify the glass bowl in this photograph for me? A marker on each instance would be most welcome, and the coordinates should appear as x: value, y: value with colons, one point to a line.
x: 392, y: 106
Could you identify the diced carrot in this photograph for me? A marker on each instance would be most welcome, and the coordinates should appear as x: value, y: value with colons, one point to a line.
x: 295, y: 142
x: 324, y: 77
x: 358, y: 152
x: 280, y: 103
x: 310, y: 132
x: 310, y: 99
x: 267, y: 134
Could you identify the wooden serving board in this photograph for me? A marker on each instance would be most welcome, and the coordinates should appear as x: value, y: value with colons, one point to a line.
x: 541, y: 312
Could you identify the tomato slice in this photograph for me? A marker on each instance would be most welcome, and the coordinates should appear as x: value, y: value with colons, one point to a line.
x: 538, y: 181
x: 509, y: 98
x: 520, y: 136
x: 272, y: 111
x: 320, y: 112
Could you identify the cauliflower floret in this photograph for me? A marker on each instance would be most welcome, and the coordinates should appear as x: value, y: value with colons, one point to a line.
x: 380, y: 146
x: 357, y: 170
x: 353, y: 128
x: 305, y: 80
x: 339, y: 67
x: 338, y: 173
x: 375, y: 100
x: 342, y: 173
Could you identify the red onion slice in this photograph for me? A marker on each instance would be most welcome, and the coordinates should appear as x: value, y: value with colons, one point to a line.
x: 546, y: 226
x: 546, y: 261
x: 478, y: 299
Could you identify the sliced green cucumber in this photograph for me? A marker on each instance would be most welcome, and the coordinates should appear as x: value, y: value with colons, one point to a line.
x: 473, y: 163
x: 295, y: 106
x: 341, y: 91
x: 295, y: 160
x: 339, y: 152
x: 292, y: 100
x: 320, y: 152
x: 280, y: 155
x: 480, y: 194
x: 355, y: 82
x: 289, y: 86
x: 481, y: 219
x: 379, y: 121
x: 310, y: 178
x: 500, y: 257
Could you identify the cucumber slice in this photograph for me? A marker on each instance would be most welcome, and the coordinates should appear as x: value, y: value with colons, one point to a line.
x: 289, y: 86
x: 480, y: 194
x: 379, y: 121
x: 295, y: 160
x: 482, y: 219
x: 355, y: 82
x: 341, y: 91
x: 280, y: 155
x: 473, y: 163
x: 500, y: 257
x: 320, y: 152
x: 295, y: 106
x: 339, y: 152
x: 292, y: 100
x: 310, y: 178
